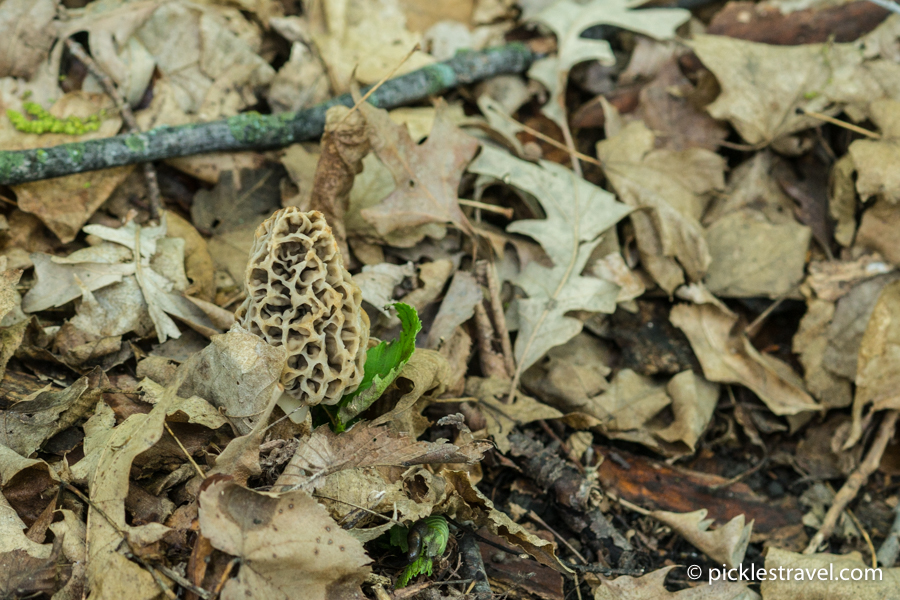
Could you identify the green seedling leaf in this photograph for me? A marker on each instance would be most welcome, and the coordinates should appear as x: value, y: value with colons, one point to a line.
x: 426, y: 541
x: 383, y: 364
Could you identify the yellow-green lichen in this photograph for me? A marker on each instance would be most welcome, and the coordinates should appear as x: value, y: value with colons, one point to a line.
x: 43, y: 122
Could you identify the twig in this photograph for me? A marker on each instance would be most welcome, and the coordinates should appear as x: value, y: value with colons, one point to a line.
x: 186, y: 453
x: 546, y: 138
x: 856, y: 480
x: 473, y: 567
x: 253, y: 131
x: 131, y: 553
x: 500, y: 210
x: 838, y: 122
x: 600, y: 569
x: 492, y: 363
x: 743, y: 474
x: 380, y: 83
x: 537, y: 519
x: 125, y: 110
x: 865, y: 534
x: 488, y: 274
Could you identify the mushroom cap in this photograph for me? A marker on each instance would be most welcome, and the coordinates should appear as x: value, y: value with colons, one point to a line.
x: 300, y: 296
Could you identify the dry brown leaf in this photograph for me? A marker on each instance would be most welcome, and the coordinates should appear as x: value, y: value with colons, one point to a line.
x: 503, y: 418
x: 753, y: 257
x: 367, y: 445
x: 875, y: 160
x: 879, y: 230
x: 457, y: 307
x: 676, y: 187
x: 240, y: 198
x: 693, y: 403
x: 878, y: 369
x: 760, y: 97
x: 27, y: 32
x: 288, y: 545
x: 832, y: 279
x: 571, y: 374
x: 426, y: 175
x: 350, y: 45
x: 344, y: 144
x: 652, y: 587
x: 26, y: 425
x: 65, y: 204
x: 727, y: 356
x: 377, y: 283
x: 810, y: 343
x: 433, y: 277
x: 301, y: 82
x: 236, y: 372
x: 12, y: 528
x: 725, y: 545
x: 815, y: 576
x: 842, y: 200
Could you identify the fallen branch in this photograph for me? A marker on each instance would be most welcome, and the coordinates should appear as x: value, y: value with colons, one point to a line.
x: 253, y: 131
x: 856, y: 480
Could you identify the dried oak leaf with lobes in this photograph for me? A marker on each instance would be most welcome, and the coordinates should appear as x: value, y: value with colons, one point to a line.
x: 300, y: 296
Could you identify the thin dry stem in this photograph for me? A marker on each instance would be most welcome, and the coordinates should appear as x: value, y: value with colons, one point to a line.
x: 488, y: 274
x: 100, y: 75
x: 856, y: 480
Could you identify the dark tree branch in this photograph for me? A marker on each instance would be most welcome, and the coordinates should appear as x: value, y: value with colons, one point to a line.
x: 253, y: 131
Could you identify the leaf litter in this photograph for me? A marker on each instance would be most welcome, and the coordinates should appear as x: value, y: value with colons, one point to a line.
x: 719, y: 268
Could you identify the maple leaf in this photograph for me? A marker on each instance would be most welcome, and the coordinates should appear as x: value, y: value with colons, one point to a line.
x: 568, y: 19
x: 577, y: 213
x: 427, y: 175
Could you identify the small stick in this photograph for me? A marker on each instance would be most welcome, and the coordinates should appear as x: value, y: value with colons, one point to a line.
x: 866, y: 537
x: 552, y: 142
x: 384, y: 79
x: 839, y: 123
x: 856, y: 480
x: 186, y: 453
x: 473, y: 567
x: 492, y: 363
x: 534, y: 517
x: 488, y: 274
x: 500, y: 210
x: 225, y: 575
x: 94, y: 69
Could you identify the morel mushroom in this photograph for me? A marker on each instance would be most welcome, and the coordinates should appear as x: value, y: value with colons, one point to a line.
x: 300, y: 296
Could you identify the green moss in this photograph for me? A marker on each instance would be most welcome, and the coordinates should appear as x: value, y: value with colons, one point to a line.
x: 41, y: 155
x: 136, y: 143
x: 75, y: 151
x: 42, y: 121
x: 10, y: 162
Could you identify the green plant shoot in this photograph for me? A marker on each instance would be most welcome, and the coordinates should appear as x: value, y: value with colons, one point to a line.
x: 383, y: 364
x: 423, y: 543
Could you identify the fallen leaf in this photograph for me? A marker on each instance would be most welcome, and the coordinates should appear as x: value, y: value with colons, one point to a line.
x: 65, y: 204
x: 727, y: 356
x: 810, y: 343
x: 568, y: 19
x: 237, y: 372
x: 457, y: 307
x: 377, y: 283
x: 760, y: 98
x: 28, y: 33
x: 344, y: 144
x: 676, y: 187
x: 877, y: 373
x: 879, y: 230
x: 503, y: 418
x: 351, y: 47
x: 873, y: 158
x: 693, y: 402
x: 571, y: 374
x: 832, y: 279
x: 238, y: 200
x: 303, y: 71
x: 753, y: 257
x: 577, y: 214
x: 725, y: 545
x: 366, y: 445
x: 286, y: 543
x: 813, y: 576
x: 652, y: 587
x: 426, y: 175
x: 26, y: 575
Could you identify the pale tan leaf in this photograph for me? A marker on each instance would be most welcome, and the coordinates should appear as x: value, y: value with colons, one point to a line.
x: 727, y: 356
x: 725, y: 545
x: 287, y: 543
x: 652, y: 587
x: 815, y: 576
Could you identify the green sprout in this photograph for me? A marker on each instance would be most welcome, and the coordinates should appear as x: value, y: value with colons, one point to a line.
x: 424, y: 542
x: 43, y: 122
